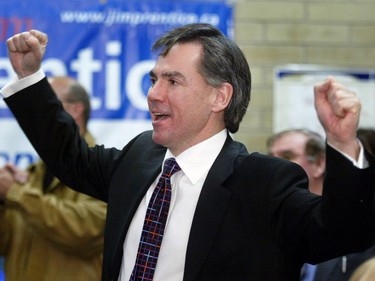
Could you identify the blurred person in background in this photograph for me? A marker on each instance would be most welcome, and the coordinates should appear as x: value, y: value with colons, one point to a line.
x: 47, y: 230
x: 304, y: 147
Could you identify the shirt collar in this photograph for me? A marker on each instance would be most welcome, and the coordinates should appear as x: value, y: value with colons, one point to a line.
x: 198, y: 159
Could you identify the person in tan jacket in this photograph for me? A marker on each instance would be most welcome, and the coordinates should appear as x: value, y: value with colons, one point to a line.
x: 48, y: 232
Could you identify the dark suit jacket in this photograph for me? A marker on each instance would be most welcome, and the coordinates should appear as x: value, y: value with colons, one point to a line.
x: 254, y: 218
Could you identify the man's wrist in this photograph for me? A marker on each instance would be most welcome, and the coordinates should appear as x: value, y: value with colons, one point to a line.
x: 361, y: 161
x: 17, y: 85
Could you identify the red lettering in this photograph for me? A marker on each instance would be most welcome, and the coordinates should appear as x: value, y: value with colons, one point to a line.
x: 14, y: 25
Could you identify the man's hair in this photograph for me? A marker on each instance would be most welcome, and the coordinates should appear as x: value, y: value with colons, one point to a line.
x: 222, y: 61
x: 77, y: 93
x: 314, y: 146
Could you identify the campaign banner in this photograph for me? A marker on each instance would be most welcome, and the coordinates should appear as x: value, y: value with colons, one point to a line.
x: 106, y: 46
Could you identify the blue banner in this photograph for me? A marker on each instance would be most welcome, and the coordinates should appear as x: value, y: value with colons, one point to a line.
x: 106, y: 46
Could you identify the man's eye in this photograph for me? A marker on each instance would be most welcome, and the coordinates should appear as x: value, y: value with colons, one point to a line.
x: 152, y: 81
x: 288, y: 155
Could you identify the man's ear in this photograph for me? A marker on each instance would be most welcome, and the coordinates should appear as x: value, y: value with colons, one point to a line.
x: 76, y: 110
x: 223, y: 97
x: 319, y: 166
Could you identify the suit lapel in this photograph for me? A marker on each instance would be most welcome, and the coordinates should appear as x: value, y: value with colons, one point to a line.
x: 210, y: 210
x: 130, y: 197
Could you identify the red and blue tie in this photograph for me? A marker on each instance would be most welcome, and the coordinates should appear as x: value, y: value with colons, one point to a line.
x: 154, y: 224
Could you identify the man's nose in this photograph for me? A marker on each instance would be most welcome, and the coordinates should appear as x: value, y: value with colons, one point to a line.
x: 157, y: 91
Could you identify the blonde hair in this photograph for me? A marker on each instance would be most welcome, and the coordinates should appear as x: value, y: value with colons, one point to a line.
x: 365, y: 272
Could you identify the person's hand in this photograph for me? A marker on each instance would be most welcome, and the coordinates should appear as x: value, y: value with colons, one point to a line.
x: 6, y: 181
x: 19, y: 175
x: 338, y: 110
x: 26, y: 51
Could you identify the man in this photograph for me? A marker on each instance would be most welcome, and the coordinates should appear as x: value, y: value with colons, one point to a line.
x: 304, y: 147
x: 307, y: 149
x: 49, y: 231
x: 233, y: 216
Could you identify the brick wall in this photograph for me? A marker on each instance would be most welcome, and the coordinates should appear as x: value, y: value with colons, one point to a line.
x: 334, y: 33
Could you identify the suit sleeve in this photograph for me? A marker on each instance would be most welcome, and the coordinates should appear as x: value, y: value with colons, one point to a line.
x: 342, y: 221
x: 305, y: 226
x: 55, y: 136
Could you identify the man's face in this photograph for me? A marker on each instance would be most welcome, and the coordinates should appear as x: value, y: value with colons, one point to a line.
x: 291, y: 146
x: 180, y: 101
x: 61, y: 87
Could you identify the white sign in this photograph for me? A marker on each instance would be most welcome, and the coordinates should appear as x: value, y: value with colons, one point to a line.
x: 294, y: 95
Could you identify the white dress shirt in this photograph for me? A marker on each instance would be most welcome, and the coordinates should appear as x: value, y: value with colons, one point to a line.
x: 195, y: 163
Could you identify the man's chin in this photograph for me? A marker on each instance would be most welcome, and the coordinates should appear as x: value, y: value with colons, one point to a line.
x: 158, y: 138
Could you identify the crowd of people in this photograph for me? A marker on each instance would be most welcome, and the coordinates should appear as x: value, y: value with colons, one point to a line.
x: 222, y: 214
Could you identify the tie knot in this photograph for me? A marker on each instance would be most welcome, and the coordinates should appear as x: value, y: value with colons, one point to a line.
x: 170, y: 167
